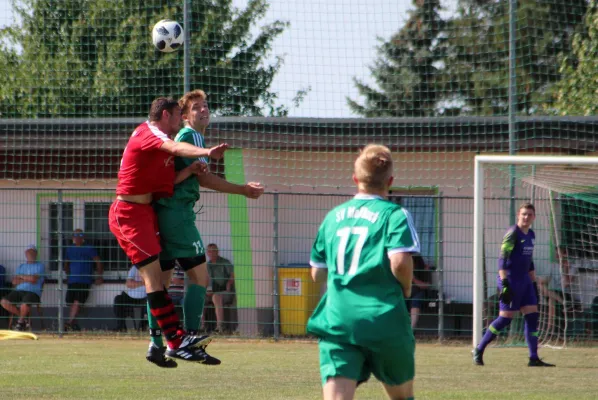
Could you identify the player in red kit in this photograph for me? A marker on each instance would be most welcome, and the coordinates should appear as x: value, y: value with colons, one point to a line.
x: 147, y: 174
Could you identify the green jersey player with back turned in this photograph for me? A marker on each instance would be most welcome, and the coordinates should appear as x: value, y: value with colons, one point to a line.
x: 364, y: 248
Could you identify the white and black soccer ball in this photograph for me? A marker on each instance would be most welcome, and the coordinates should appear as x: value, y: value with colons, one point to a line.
x: 168, y: 36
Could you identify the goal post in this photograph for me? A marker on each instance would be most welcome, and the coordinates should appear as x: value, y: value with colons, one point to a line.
x: 569, y: 176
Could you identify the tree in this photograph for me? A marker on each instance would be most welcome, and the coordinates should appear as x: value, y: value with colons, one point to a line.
x: 461, y: 66
x: 577, y: 92
x: 477, y: 63
x: 94, y: 58
x: 406, y: 70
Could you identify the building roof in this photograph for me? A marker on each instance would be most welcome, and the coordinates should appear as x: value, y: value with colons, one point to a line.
x: 90, y: 149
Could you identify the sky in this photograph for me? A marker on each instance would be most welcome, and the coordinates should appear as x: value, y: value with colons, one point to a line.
x: 328, y: 43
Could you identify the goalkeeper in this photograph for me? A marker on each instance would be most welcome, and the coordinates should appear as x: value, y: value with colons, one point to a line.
x: 179, y: 237
x: 517, y: 286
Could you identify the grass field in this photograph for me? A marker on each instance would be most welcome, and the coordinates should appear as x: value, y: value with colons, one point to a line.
x: 54, y: 368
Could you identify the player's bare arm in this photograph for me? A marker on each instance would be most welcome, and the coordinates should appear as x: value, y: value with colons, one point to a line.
x: 29, y: 278
x: 197, y: 168
x: 251, y: 190
x: 319, y: 274
x: 182, y: 149
x: 532, y: 275
x: 401, y: 265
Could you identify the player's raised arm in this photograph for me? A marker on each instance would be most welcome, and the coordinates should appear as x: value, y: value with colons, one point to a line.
x: 182, y: 149
x: 401, y: 265
x: 251, y: 190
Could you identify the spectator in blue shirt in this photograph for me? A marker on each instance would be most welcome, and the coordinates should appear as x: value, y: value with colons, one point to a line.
x: 2, y: 277
x: 28, y: 282
x: 79, y: 262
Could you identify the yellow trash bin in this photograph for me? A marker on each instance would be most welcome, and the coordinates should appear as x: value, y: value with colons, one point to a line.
x: 299, y: 295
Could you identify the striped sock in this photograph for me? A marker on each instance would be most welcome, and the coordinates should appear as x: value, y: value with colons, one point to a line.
x: 163, y: 310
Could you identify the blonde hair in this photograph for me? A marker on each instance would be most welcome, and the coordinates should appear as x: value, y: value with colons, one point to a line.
x: 190, y: 97
x: 373, y: 167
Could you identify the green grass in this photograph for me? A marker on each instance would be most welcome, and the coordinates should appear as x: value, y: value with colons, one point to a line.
x: 116, y: 369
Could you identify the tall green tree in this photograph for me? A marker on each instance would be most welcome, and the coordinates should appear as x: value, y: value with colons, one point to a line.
x: 476, y: 73
x: 405, y: 71
x: 94, y: 58
x: 577, y: 91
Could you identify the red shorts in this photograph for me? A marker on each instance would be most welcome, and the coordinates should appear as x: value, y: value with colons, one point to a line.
x: 136, y: 229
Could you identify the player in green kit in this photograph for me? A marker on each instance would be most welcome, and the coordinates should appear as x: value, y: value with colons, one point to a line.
x: 363, y: 248
x: 179, y: 237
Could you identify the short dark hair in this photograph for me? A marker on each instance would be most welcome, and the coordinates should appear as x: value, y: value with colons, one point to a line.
x: 159, y: 105
x: 212, y: 245
x: 527, y: 206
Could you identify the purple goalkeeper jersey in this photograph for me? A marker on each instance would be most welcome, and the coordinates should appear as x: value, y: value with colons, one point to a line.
x: 516, y: 253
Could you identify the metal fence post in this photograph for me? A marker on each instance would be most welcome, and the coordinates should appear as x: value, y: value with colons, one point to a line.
x: 59, y: 232
x: 276, y: 262
x: 187, y: 44
x: 512, y: 101
x: 440, y: 273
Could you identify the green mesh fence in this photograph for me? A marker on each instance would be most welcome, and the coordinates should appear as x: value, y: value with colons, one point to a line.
x: 296, y: 88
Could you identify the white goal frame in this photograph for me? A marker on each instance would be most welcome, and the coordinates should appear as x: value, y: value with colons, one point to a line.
x: 478, y: 218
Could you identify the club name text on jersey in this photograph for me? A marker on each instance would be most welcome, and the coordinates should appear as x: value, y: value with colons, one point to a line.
x: 356, y: 213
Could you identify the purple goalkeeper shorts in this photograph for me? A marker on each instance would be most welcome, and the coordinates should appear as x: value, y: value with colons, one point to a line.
x: 522, y: 294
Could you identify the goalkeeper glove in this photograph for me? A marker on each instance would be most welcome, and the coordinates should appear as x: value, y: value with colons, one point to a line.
x: 536, y: 290
x: 506, y: 293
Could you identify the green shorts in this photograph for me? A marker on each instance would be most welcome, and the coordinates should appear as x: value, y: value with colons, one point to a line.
x: 179, y: 236
x: 394, y: 365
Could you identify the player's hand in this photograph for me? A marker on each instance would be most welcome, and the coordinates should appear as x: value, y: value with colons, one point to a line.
x: 217, y: 152
x: 506, y: 295
x: 199, y: 168
x: 253, y: 190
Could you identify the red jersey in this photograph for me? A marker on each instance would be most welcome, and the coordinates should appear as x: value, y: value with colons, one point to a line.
x: 145, y: 168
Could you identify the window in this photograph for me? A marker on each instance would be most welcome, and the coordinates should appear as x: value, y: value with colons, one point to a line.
x: 579, y: 228
x: 67, y: 229
x: 97, y: 234
x: 423, y: 212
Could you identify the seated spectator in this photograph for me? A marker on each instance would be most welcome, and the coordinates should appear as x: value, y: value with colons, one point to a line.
x: 222, y: 281
x: 176, y: 291
x: 2, y: 277
x: 28, y: 282
x: 421, y: 282
x: 554, y: 286
x: 79, y: 262
x: 5, y: 286
x: 133, y: 297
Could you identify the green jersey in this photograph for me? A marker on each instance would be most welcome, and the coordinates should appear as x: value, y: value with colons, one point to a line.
x: 188, y: 190
x: 364, y: 303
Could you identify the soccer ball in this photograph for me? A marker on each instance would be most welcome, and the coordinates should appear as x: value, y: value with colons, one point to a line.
x: 167, y: 35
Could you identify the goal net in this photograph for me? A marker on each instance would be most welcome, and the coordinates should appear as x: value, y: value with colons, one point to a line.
x: 564, y: 191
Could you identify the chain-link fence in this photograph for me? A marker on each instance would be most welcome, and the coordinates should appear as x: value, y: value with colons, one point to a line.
x: 267, y: 242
